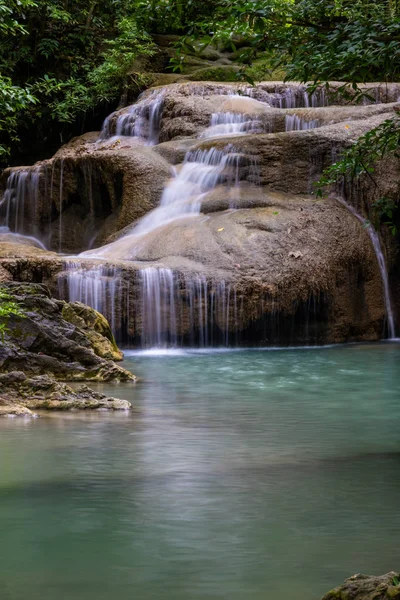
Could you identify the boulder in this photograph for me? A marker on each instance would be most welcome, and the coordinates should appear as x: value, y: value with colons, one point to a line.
x: 88, y: 190
x: 275, y: 248
x: 96, y: 327
x: 261, y: 230
x: 20, y: 395
x: 58, y: 339
x: 366, y: 587
x: 12, y: 408
x: 291, y: 162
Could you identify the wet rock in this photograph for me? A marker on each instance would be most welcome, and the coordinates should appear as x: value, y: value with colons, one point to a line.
x: 96, y: 328
x: 11, y: 408
x: 227, y: 72
x: 19, y: 395
x: 69, y: 341
x: 92, y: 188
x: 291, y: 162
x: 87, y: 191
x: 266, y: 235
x: 365, y: 587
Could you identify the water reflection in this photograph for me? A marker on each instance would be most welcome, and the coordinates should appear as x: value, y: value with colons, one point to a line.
x: 242, y: 475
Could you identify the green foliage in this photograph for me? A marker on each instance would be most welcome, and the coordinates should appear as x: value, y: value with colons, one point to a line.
x: 317, y: 41
x: 360, y: 161
x: 118, y: 60
x: 60, y: 59
x: 13, y: 101
x: 8, y: 308
x: 173, y: 16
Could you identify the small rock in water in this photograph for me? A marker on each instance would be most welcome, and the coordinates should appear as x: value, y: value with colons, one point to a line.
x: 296, y: 254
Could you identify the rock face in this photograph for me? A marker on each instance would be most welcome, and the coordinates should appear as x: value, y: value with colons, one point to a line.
x: 53, y: 337
x: 283, y: 268
x: 365, y: 587
x: 86, y: 192
x: 253, y: 256
x: 54, y: 341
x: 20, y: 395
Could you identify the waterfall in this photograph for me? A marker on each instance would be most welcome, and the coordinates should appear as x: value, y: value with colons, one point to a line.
x: 99, y: 286
x: 381, y: 262
x: 158, y: 307
x: 18, y: 207
x: 200, y: 173
x: 299, y: 98
x: 187, y: 309
x: 142, y: 120
x: 166, y: 307
x: 229, y: 123
x: 61, y: 205
x: 296, y: 123
x: 170, y: 309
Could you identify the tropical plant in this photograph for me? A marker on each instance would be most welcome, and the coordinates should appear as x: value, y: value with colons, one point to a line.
x: 8, y: 308
x: 317, y: 41
x: 59, y: 60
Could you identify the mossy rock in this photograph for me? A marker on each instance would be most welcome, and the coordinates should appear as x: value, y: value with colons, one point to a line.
x: 96, y: 328
x: 196, y: 61
x: 235, y: 56
x: 260, y: 70
x: 207, y: 52
x: 79, y: 347
x: 220, y: 73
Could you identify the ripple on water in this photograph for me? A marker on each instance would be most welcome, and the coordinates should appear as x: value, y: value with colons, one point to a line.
x: 245, y: 474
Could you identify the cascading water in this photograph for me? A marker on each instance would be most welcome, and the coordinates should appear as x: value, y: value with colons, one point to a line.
x: 19, y: 203
x: 296, y: 123
x: 61, y: 205
x: 189, y: 309
x: 98, y: 286
x: 169, y: 300
x: 228, y: 123
x: 200, y: 173
x: 382, y: 265
x: 167, y: 307
x: 141, y: 121
x: 298, y: 98
x: 158, y: 307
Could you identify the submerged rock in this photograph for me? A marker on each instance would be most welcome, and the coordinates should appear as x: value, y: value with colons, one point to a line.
x: 19, y: 395
x: 10, y: 407
x: 366, y: 587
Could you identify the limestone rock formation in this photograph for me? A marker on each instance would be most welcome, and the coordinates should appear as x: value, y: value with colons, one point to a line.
x: 365, y: 587
x: 96, y: 328
x: 52, y: 338
x: 86, y: 192
x: 236, y: 165
x: 51, y: 342
x: 21, y: 395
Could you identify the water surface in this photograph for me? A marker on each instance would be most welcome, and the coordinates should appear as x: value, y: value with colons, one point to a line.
x: 245, y: 475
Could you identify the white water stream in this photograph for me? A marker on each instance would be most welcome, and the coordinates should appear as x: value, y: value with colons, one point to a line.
x: 161, y: 305
x: 20, y: 197
x: 141, y: 120
x: 382, y: 265
x: 162, y: 309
